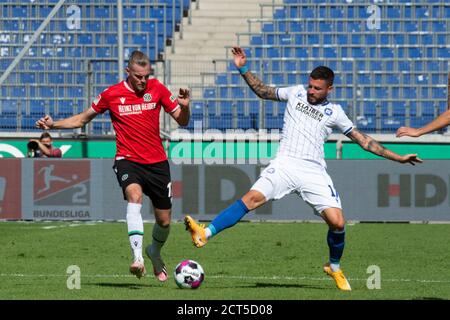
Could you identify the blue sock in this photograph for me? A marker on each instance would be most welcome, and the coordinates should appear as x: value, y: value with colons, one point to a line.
x: 336, y: 243
x: 228, y: 217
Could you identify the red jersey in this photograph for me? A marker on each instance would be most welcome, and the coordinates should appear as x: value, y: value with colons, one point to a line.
x: 54, y: 153
x: 135, y: 118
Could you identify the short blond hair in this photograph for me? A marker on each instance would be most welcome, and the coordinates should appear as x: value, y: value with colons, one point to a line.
x: 139, y: 58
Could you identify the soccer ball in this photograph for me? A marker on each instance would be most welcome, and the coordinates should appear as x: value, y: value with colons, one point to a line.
x: 189, y: 274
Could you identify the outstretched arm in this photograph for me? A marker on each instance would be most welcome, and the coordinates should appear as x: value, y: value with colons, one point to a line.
x: 440, y: 122
x: 257, y: 86
x: 369, y: 144
x: 76, y: 121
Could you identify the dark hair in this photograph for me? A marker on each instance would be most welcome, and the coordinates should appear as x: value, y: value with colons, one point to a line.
x: 45, y: 135
x: 139, y: 58
x: 323, y: 73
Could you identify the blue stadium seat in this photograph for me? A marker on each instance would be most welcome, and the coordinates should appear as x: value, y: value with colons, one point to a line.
x: 37, y: 109
x: 336, y: 13
x: 443, y: 52
x: 274, y: 122
x: 366, y: 123
x: 418, y: 122
x: 247, y: 122
x: 279, y: 13
x: 410, y: 26
x: 19, y: 12
x: 9, y: 107
x: 84, y: 38
x: 392, y: 79
x: 256, y: 40
x: 226, y: 108
x: 65, y: 107
x: 439, y: 26
x: 387, y: 53
x: 28, y: 77
x: 209, y: 93
x: 130, y: 12
x: 221, y: 79
x: 28, y: 123
x: 8, y: 123
x: 439, y: 93
x: 237, y: 92
x: 391, y: 124
x: 220, y: 122
x: 414, y: 53
x: 330, y: 53
x: 55, y: 78
x: 102, y: 12
x: 325, y: 27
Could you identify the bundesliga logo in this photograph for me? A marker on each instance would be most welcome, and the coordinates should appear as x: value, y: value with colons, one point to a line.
x: 147, y: 97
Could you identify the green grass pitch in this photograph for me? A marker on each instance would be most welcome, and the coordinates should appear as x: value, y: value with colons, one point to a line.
x: 249, y: 261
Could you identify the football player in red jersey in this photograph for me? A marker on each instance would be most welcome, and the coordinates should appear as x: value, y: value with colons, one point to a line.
x: 141, y: 164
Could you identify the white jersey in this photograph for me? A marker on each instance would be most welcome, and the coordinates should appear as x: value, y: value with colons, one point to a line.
x: 306, y: 127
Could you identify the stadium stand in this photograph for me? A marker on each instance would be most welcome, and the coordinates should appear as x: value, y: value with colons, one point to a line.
x: 52, y: 76
x: 387, y: 75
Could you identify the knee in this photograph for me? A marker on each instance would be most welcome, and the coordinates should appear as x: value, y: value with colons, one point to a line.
x: 253, y: 199
x: 134, y: 198
x: 163, y: 223
x: 163, y: 217
x: 338, y: 225
x: 134, y: 194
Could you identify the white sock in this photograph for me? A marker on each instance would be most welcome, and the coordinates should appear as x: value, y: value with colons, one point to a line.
x: 135, y: 229
x: 334, y: 266
x: 208, y: 233
x: 160, y: 236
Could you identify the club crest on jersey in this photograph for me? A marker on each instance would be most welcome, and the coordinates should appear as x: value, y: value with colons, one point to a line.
x: 122, y: 100
x: 147, y: 97
x: 328, y: 111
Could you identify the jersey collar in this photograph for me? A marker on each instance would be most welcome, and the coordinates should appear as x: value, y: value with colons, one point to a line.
x: 127, y: 86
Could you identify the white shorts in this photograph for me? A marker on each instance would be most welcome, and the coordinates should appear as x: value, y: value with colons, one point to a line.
x: 307, y: 179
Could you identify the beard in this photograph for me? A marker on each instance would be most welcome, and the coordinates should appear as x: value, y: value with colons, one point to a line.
x: 312, y: 100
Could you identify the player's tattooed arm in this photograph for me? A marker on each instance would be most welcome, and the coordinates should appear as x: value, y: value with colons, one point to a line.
x: 259, y: 88
x: 370, y: 144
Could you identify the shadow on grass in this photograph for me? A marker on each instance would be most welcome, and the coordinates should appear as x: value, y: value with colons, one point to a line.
x: 132, y: 286
x: 285, y: 285
x: 278, y: 285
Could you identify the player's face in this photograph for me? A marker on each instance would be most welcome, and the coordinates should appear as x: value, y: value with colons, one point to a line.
x: 318, y: 90
x: 47, y: 142
x: 137, y: 77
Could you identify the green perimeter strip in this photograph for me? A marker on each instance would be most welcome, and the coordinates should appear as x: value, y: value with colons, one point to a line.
x: 424, y: 151
x: 11, y: 148
x: 250, y: 150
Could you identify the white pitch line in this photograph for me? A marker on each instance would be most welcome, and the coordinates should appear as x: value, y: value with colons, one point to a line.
x: 20, y: 275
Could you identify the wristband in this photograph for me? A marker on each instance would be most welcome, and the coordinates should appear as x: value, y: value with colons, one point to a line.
x: 243, y: 69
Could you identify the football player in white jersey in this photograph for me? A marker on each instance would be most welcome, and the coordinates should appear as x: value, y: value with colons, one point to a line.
x: 299, y: 165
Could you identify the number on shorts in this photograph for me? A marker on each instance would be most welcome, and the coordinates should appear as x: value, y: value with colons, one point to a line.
x: 169, y: 189
x: 334, y: 193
